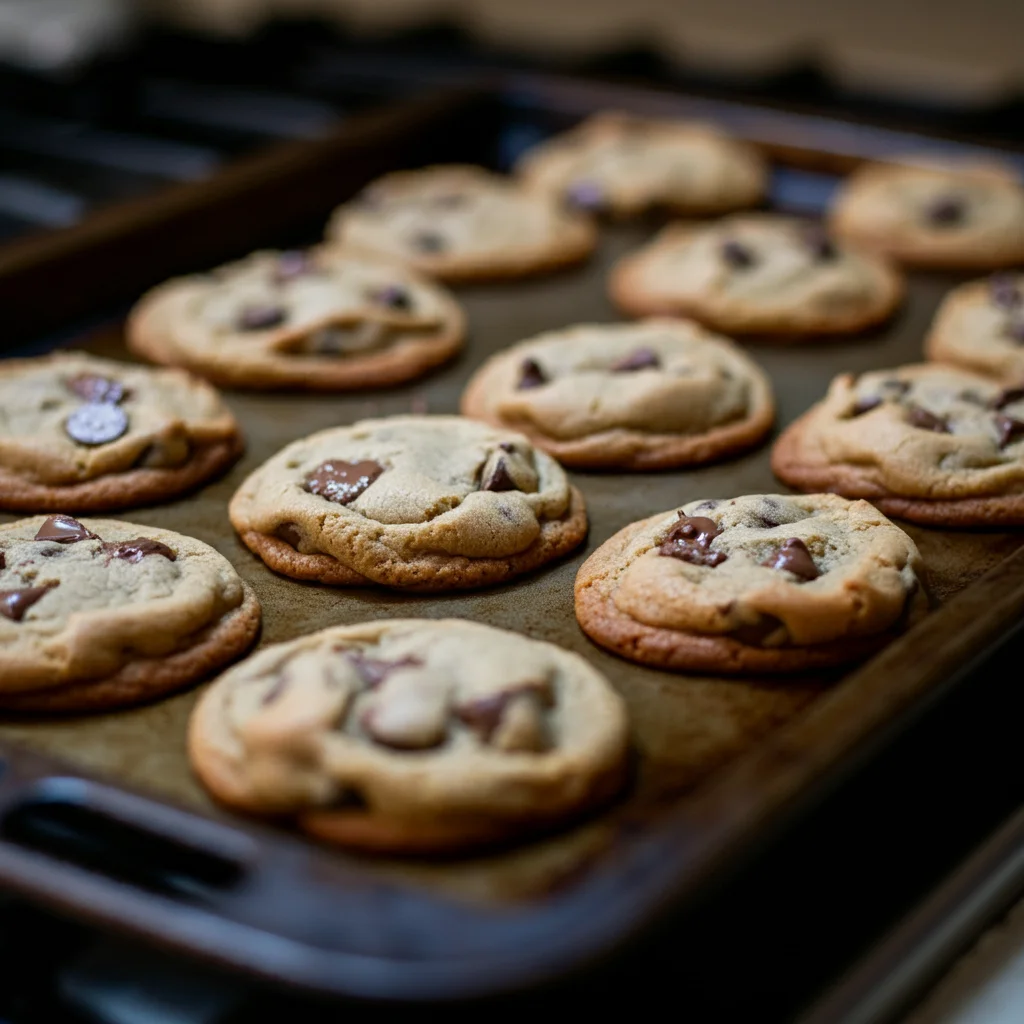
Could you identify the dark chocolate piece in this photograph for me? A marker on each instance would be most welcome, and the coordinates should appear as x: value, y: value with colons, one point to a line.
x: 690, y: 540
x: 737, y: 255
x: 483, y: 714
x: 499, y: 479
x: 261, y: 318
x: 947, y: 211
x: 925, y: 420
x: 428, y: 241
x: 639, y: 359
x: 1008, y: 396
x: 64, y: 530
x: 794, y: 557
x: 1008, y: 428
x: 393, y: 296
x: 96, y: 423
x: 15, y: 603
x: 1004, y: 290
x: 821, y: 246
x: 373, y: 671
x: 863, y: 405
x: 530, y: 375
x: 341, y: 481
x: 137, y: 549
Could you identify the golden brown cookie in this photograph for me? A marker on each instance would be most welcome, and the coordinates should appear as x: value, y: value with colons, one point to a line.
x: 758, y: 274
x: 329, y: 319
x: 934, y: 214
x: 623, y: 164
x: 930, y: 443
x: 758, y: 584
x: 98, y: 614
x: 83, y: 434
x: 651, y: 395
x: 412, y: 735
x: 462, y: 223
x: 418, y: 502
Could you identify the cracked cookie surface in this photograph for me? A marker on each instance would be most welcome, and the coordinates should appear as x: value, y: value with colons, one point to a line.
x: 650, y: 395
x: 98, y: 613
x: 412, y: 735
x: 761, y: 583
x: 427, y: 502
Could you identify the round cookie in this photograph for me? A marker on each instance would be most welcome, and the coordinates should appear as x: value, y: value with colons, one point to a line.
x: 758, y: 274
x: 624, y: 165
x: 412, y: 735
x: 330, y: 319
x: 980, y: 326
x: 100, y: 614
x: 758, y: 584
x: 651, y: 395
x: 460, y: 223
x: 931, y: 443
x: 83, y: 434
x: 934, y: 214
x: 419, y: 502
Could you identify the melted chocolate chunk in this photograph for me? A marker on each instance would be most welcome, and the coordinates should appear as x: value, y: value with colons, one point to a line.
x: 794, y: 557
x: 755, y: 634
x: 428, y: 241
x: 866, y: 404
x: 507, y: 446
x: 91, y: 387
x: 822, y: 248
x: 290, y: 265
x: 261, y: 317
x: 1008, y: 428
x: 337, y: 339
x: 1007, y: 397
x: 289, y: 533
x: 137, y: 549
x: 690, y: 540
x: 769, y: 522
x: 96, y: 423
x: 483, y: 715
x: 895, y: 388
x: 925, y: 420
x: 585, y: 195
x: 499, y: 479
x: 393, y: 296
x: 64, y: 530
x: 639, y: 359
x: 3, y: 560
x: 530, y: 375
x: 373, y: 671
x: 343, y: 482
x: 737, y: 255
x: 946, y: 211
x: 1004, y: 291
x: 15, y: 603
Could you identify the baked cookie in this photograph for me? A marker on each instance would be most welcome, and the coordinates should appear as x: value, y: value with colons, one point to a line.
x: 930, y: 443
x: 761, y: 274
x: 762, y: 583
x: 980, y: 326
x: 650, y: 395
x: 460, y: 223
x: 624, y: 165
x: 327, y: 320
x: 82, y: 434
x: 101, y: 614
x: 412, y: 735
x: 420, y: 502
x: 930, y: 214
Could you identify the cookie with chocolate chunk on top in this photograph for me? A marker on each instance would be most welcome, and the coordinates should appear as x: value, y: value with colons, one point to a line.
x: 97, y: 614
x: 750, y: 585
x: 412, y: 736
x: 930, y: 443
x: 420, y: 502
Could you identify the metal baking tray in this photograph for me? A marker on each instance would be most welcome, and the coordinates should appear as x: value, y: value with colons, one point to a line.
x: 100, y: 816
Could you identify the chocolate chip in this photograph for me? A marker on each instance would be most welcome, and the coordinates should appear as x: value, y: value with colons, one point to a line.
x: 1008, y: 396
x: 707, y: 506
x: 91, y: 387
x: 866, y: 404
x: 507, y: 446
x: 1008, y: 429
x: 393, y: 296
x: 96, y: 423
x: 821, y: 246
x: 925, y: 420
x: 946, y: 211
x: 794, y: 557
x: 690, y: 540
x: 3, y: 560
x: 639, y: 359
x: 585, y: 195
x: 64, y: 530
x: 339, y: 338
x: 499, y: 479
x: 895, y: 388
x: 136, y: 550
x: 373, y: 671
x: 15, y: 603
x: 737, y: 255
x: 756, y: 633
x: 343, y: 482
x: 261, y: 317
x: 289, y: 533
x: 766, y: 521
x: 483, y: 714
x: 530, y: 375
x: 1004, y: 290
x: 290, y: 265
x: 428, y: 241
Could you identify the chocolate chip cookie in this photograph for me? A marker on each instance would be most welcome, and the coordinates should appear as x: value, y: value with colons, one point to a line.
x: 326, y: 319
x: 931, y: 214
x: 419, y: 502
x: 460, y: 223
x: 762, y: 583
x: 101, y: 614
x: 934, y: 444
x: 82, y: 434
x: 980, y: 326
x: 650, y: 395
x: 412, y: 735
x: 623, y: 165
x: 758, y: 274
